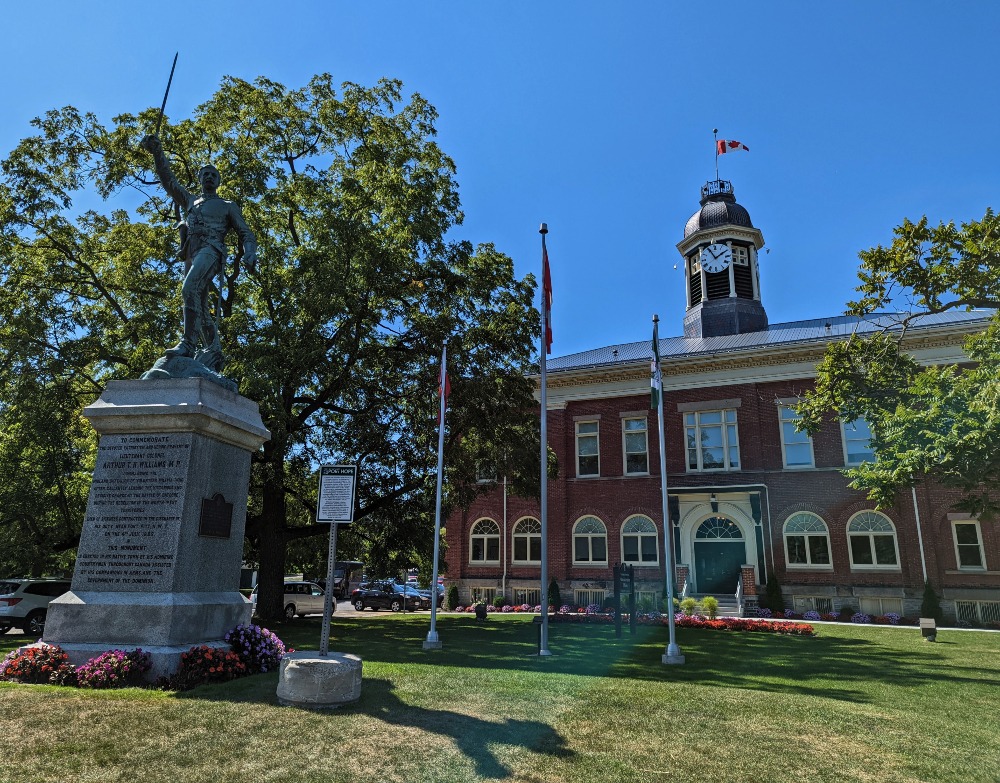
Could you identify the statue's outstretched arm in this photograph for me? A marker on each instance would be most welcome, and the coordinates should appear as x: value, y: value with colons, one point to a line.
x: 174, y: 189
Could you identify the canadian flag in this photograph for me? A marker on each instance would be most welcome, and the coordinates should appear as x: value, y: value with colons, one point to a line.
x: 722, y: 146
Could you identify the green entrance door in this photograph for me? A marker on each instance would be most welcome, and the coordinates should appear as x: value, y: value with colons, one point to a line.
x: 719, y: 551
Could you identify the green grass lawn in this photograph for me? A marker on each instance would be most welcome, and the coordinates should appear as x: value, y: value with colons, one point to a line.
x: 852, y: 704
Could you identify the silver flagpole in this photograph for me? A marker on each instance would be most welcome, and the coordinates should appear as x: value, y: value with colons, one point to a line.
x: 673, y: 652
x: 543, y: 642
x: 433, y: 642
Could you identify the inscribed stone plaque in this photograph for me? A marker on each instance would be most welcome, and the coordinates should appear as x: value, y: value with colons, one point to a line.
x: 216, y: 517
x: 133, y: 513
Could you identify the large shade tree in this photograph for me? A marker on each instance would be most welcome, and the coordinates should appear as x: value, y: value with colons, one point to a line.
x: 336, y: 332
x: 937, y: 423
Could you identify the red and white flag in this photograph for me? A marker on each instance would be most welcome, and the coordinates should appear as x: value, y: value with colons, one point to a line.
x: 547, y: 297
x: 722, y: 146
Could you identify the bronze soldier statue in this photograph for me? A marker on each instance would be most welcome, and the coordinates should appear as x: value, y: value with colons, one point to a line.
x: 208, y: 218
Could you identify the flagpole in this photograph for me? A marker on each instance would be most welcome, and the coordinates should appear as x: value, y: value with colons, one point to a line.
x: 715, y: 133
x: 543, y: 640
x: 672, y: 654
x: 433, y: 642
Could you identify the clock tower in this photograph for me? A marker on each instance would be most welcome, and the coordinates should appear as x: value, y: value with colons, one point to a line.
x: 720, y: 267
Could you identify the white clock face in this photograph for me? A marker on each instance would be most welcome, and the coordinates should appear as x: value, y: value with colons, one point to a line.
x: 715, y: 258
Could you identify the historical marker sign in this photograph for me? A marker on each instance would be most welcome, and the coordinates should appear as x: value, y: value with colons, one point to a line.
x: 336, y: 493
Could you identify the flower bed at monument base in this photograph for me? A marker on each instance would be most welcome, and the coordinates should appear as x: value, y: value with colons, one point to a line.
x: 253, y: 649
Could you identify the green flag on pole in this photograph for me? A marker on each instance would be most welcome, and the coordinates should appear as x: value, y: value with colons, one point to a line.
x: 655, y: 378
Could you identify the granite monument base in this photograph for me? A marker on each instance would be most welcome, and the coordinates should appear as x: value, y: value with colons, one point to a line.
x: 309, y: 680
x: 158, y: 564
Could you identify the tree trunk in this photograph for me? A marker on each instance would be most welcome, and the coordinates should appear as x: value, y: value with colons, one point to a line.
x: 272, y: 540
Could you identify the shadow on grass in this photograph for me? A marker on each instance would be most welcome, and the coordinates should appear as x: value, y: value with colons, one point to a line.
x: 473, y: 736
x: 831, y: 665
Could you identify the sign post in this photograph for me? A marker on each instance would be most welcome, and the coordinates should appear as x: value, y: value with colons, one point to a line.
x: 337, y: 485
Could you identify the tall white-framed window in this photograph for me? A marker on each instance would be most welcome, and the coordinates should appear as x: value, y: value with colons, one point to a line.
x: 796, y: 447
x: 640, y: 541
x: 807, y: 541
x: 857, y: 442
x: 590, y: 542
x: 871, y: 539
x: 635, y: 446
x: 484, y: 542
x: 712, y: 440
x: 588, y: 448
x: 527, y: 541
x: 968, y: 545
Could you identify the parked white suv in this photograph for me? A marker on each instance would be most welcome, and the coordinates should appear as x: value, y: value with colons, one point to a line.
x: 24, y: 602
x: 301, y: 598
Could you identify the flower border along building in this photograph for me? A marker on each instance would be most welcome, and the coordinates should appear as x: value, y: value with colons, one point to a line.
x: 749, y: 497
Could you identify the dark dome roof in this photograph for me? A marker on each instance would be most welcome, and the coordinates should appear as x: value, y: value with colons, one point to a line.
x: 721, y: 212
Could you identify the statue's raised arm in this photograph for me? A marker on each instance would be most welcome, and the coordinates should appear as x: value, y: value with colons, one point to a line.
x: 174, y: 189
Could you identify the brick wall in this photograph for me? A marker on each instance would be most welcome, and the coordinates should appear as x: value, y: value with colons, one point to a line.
x: 613, y: 498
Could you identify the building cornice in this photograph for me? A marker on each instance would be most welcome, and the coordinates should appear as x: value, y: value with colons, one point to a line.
x: 761, y: 364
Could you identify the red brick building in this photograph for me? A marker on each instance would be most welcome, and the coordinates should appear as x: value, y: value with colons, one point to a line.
x: 748, y: 496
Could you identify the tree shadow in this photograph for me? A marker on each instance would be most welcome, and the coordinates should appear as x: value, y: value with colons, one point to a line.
x: 472, y: 736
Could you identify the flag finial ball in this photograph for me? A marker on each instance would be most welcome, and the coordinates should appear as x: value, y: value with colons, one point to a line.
x: 543, y: 229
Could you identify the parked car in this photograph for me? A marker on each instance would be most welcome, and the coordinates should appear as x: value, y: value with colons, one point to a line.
x: 301, y: 598
x: 427, y: 593
x: 388, y: 595
x: 24, y: 603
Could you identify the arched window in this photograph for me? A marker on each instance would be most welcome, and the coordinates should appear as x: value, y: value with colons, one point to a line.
x: 590, y: 542
x: 484, y: 544
x: 719, y: 527
x: 639, y: 541
x: 528, y: 541
x: 807, y: 541
x: 872, y: 540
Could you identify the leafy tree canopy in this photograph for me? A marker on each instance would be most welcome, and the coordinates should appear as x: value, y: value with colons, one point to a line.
x: 336, y: 332
x: 939, y: 423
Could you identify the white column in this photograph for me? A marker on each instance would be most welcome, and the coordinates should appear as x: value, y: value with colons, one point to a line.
x: 732, y: 273
x: 753, y: 273
x: 687, y: 281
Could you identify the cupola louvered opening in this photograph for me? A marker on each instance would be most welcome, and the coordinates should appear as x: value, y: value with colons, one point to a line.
x: 695, y: 282
x: 743, y: 278
x: 717, y: 284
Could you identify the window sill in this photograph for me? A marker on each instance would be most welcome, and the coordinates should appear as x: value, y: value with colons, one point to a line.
x: 890, y: 569
x: 977, y: 571
x: 484, y: 562
x: 591, y: 565
x: 637, y: 475
x: 535, y: 563
x: 809, y: 567
x: 799, y: 467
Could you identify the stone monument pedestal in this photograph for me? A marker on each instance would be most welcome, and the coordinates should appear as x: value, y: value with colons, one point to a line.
x: 308, y: 679
x: 158, y: 566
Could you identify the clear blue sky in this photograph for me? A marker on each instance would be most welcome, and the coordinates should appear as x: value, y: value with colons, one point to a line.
x: 597, y: 117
